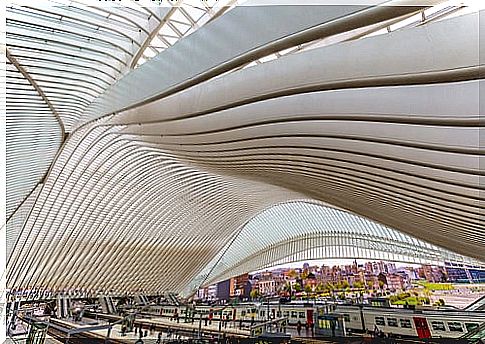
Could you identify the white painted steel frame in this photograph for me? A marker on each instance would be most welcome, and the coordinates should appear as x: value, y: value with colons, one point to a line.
x: 148, y: 200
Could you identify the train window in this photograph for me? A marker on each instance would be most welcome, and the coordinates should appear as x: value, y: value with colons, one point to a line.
x: 278, y: 314
x: 455, y: 327
x: 286, y: 314
x: 253, y: 310
x: 301, y: 315
x: 294, y: 314
x: 471, y: 326
x: 392, y: 322
x: 243, y: 313
x: 322, y: 324
x: 405, y: 323
x: 438, y: 326
x: 346, y: 317
x: 380, y: 321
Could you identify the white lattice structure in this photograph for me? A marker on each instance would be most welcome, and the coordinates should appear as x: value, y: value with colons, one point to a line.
x: 127, y: 176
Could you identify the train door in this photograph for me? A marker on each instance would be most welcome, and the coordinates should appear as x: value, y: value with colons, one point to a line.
x: 422, y: 328
x: 273, y: 311
x: 309, y: 316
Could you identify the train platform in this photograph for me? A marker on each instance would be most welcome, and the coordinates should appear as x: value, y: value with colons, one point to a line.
x: 129, y: 337
x: 212, y: 328
x: 191, y: 329
x: 168, y: 330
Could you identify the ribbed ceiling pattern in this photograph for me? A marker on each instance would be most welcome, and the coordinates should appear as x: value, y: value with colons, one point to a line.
x: 296, y: 231
x: 17, y: 221
x: 109, y: 196
x: 74, y: 52
x: 151, y: 198
x: 33, y: 137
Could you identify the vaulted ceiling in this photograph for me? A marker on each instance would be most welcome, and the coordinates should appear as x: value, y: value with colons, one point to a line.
x: 145, y: 143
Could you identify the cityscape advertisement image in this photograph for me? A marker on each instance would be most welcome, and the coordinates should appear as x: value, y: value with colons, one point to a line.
x: 242, y: 171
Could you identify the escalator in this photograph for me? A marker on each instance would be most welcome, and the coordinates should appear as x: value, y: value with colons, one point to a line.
x: 477, y: 305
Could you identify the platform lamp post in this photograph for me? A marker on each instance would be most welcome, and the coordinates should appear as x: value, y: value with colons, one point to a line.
x: 279, y: 307
x: 267, y: 308
x: 220, y: 328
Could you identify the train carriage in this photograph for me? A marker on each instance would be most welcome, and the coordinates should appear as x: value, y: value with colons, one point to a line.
x: 399, y: 322
x: 410, y: 323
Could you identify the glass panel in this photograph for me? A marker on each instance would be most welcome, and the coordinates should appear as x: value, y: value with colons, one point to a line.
x: 406, y: 323
x: 392, y: 322
x: 438, y: 326
x: 455, y: 327
x: 471, y: 326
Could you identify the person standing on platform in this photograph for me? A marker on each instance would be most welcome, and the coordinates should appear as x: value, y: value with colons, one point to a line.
x: 176, y: 317
x: 298, y: 327
x: 140, y: 341
x: 159, y: 339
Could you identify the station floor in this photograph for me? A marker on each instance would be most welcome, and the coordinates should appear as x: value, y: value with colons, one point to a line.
x: 232, y: 328
x: 173, y: 325
x: 166, y: 323
x: 214, y: 326
x: 115, y: 333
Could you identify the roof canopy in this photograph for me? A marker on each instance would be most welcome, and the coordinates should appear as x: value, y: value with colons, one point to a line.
x: 123, y: 174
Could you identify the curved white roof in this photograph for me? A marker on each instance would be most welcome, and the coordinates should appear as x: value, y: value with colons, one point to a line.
x: 119, y: 178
